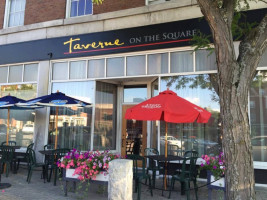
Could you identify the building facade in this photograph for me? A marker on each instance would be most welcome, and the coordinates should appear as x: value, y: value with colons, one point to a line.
x: 114, y: 56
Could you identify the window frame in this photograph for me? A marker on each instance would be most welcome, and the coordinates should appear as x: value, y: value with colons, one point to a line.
x: 68, y: 10
x: 22, y: 74
x: 7, y: 15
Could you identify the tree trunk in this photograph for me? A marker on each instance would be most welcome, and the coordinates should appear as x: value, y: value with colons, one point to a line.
x: 234, y: 77
x: 236, y: 137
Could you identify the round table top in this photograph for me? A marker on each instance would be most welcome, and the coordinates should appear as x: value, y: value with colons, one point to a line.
x: 46, y: 152
x: 15, y: 147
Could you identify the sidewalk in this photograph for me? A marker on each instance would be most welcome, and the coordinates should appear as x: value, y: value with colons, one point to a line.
x: 38, y: 190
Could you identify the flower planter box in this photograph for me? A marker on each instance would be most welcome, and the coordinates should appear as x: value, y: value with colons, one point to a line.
x: 102, y: 176
x: 70, y: 172
x: 68, y: 176
x: 217, y: 185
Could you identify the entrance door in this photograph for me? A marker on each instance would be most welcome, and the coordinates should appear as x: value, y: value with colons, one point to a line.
x: 134, y: 135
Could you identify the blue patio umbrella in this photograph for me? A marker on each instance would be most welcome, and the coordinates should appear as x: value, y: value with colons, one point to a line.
x: 57, y: 100
x: 9, y: 102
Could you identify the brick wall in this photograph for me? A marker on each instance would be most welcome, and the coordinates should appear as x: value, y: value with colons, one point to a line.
x: 114, y: 5
x: 2, y: 12
x: 44, y: 10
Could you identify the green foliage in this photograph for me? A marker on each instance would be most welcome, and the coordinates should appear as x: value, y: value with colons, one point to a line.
x: 97, y: 1
x: 200, y: 41
x: 241, y: 29
x: 193, y: 81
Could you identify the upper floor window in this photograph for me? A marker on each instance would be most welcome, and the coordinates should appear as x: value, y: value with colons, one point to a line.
x: 79, y: 8
x: 14, y: 14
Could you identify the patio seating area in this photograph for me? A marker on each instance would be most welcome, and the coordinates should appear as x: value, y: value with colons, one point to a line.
x: 37, y: 189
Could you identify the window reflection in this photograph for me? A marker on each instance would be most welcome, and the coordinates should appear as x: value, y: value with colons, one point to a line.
x: 21, y: 121
x: 204, y: 138
x: 134, y: 94
x: 105, y: 116
x: 74, y: 124
x: 258, y: 116
x: 74, y: 127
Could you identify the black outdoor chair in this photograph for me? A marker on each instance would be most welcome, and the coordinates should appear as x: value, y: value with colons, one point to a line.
x: 32, y: 164
x: 50, y: 147
x: 191, y: 153
x: 186, y: 175
x: 8, y: 158
x: 56, y: 155
x: 10, y: 143
x: 25, y: 157
x: 153, y: 165
x: 138, y: 175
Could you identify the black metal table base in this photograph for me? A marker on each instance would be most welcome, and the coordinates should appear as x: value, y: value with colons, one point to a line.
x: 4, y: 185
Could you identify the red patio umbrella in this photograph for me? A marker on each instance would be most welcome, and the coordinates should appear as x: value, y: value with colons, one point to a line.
x: 168, y: 107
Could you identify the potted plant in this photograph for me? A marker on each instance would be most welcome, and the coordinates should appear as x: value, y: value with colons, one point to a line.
x: 89, y: 165
x: 215, y: 169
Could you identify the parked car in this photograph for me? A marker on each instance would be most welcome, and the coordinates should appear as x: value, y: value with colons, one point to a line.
x: 203, y: 146
x: 259, y: 146
x: 3, y: 129
x: 28, y: 128
x: 171, y: 140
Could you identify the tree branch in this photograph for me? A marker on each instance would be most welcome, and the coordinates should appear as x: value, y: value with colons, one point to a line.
x: 252, y: 48
x: 222, y: 35
x: 229, y: 8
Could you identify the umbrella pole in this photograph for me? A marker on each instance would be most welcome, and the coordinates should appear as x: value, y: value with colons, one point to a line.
x: 56, y: 127
x: 166, y: 149
x: 7, y: 130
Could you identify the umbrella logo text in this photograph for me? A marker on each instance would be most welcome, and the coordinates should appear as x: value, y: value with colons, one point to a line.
x: 199, y: 110
x: 59, y: 102
x: 2, y: 103
x: 151, y: 106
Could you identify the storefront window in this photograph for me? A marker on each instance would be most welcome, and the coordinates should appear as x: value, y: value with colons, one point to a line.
x: 182, y: 62
x: 157, y: 63
x: 21, y: 121
x: 134, y: 94
x: 96, y: 68
x: 60, y: 71
x: 105, y: 116
x: 205, y: 138
x: 78, y: 70
x: 3, y: 74
x: 115, y: 67
x: 74, y: 124
x: 30, y: 72
x: 15, y: 74
x: 136, y: 65
x: 205, y: 60
x: 258, y: 116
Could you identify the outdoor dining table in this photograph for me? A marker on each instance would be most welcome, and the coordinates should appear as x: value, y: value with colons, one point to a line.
x: 14, y: 147
x: 47, y: 152
x: 161, y: 159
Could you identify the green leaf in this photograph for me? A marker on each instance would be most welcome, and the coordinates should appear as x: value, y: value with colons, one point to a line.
x: 200, y: 41
x: 97, y: 1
